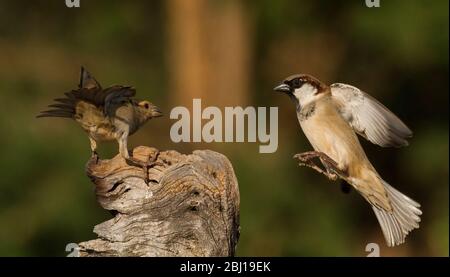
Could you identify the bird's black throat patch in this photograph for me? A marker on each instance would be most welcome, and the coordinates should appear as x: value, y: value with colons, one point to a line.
x: 305, y: 112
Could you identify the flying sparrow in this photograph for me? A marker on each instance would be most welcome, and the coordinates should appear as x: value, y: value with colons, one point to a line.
x: 330, y: 116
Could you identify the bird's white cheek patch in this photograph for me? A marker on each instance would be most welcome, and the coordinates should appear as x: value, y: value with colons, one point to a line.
x: 305, y: 94
x: 254, y: 118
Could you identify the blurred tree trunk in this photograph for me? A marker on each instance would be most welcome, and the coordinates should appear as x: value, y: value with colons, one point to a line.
x: 209, y: 52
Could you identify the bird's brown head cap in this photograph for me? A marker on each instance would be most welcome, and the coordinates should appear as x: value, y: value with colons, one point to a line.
x: 296, y: 81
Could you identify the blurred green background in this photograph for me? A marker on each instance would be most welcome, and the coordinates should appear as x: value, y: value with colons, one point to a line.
x: 228, y: 53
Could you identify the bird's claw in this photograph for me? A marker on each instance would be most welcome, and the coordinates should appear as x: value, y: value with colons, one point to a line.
x: 95, y: 157
x: 305, y: 159
x: 331, y: 176
x: 150, y: 163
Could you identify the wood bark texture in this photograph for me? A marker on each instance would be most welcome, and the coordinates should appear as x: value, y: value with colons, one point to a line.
x: 190, y: 207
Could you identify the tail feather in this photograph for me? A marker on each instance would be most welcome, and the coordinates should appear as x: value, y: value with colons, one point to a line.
x: 65, y: 107
x: 68, y: 101
x: 55, y: 113
x: 404, y: 217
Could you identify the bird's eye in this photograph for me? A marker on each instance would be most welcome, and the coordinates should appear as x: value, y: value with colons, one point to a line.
x: 146, y: 106
x: 297, y: 83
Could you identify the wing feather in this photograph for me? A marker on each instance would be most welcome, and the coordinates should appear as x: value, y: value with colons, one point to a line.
x: 105, y: 99
x: 369, y: 118
x: 90, y: 92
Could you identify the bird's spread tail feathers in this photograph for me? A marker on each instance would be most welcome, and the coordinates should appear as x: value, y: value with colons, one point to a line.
x: 65, y: 107
x: 404, y: 217
x: 89, y: 90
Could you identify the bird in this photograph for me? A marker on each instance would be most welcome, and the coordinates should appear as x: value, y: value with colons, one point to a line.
x: 330, y: 117
x: 105, y: 114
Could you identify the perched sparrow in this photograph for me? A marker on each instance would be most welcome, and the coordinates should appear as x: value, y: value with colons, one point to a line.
x: 329, y: 116
x: 105, y: 114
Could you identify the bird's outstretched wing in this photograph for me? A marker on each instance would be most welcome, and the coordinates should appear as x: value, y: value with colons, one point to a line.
x: 89, y: 92
x: 116, y: 96
x: 368, y: 117
x: 87, y: 80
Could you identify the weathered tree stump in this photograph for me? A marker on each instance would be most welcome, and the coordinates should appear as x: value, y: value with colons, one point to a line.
x: 189, y: 208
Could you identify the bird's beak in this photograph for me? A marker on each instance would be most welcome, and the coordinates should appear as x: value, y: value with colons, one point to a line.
x: 283, y: 88
x: 156, y: 112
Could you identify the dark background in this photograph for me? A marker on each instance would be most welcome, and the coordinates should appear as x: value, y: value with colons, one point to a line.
x: 229, y: 53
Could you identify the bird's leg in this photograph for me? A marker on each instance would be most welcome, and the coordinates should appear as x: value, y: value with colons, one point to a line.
x: 94, y: 154
x: 123, y: 150
x: 332, y: 166
x: 152, y: 162
x: 305, y: 159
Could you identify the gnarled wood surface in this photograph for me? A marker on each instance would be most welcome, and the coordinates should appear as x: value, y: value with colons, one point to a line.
x: 189, y: 208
